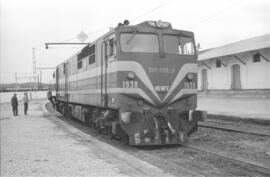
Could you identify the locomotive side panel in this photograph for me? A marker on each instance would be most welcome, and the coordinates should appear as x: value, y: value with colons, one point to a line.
x: 85, y: 76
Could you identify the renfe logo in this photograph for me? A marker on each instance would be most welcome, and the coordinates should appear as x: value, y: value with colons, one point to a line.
x: 161, y: 70
x: 161, y: 88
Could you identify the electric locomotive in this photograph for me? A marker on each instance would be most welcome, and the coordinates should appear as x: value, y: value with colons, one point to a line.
x: 137, y: 83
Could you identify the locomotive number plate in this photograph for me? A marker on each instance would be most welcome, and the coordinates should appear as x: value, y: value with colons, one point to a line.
x: 130, y: 84
x: 189, y: 85
x: 161, y: 88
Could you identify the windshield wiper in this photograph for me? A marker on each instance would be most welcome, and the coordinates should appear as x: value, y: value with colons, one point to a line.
x: 131, y: 37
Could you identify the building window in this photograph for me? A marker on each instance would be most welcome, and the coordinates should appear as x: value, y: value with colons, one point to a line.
x: 218, y: 63
x: 256, y: 58
x: 92, y: 58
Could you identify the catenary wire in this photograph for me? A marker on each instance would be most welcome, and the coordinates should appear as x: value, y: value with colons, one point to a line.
x: 214, y: 15
x: 133, y: 19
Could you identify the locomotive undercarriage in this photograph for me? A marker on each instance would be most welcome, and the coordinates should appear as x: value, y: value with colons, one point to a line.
x: 136, y: 128
x: 159, y: 128
x: 101, y: 120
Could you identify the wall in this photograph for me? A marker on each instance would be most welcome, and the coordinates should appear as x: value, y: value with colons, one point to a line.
x: 253, y: 75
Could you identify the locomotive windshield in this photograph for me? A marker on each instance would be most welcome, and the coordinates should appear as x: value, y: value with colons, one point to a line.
x: 139, y: 42
x: 178, y: 45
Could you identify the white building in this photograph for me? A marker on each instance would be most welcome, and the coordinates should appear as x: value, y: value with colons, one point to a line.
x: 243, y: 65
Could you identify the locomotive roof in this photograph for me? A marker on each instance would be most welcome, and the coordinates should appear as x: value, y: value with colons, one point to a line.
x: 147, y: 25
x: 251, y: 44
x: 143, y: 25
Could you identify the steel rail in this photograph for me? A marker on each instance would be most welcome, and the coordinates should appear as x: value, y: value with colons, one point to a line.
x: 229, y: 156
x: 256, y: 132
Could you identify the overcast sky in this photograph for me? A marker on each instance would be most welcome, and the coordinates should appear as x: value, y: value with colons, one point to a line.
x: 30, y: 23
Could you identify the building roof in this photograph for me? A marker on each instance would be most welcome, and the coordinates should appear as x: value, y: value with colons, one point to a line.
x: 251, y: 44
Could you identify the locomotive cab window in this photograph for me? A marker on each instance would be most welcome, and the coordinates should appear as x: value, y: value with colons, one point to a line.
x: 139, y: 42
x: 179, y: 45
x: 87, y: 53
x: 79, y: 63
x: 111, y: 49
x: 92, y: 57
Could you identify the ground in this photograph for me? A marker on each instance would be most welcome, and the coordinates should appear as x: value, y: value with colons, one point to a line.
x: 42, y: 145
x: 47, y: 144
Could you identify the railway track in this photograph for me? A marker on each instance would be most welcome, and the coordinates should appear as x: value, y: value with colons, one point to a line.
x: 209, y: 124
x: 231, y: 156
x: 176, y: 164
x: 130, y: 149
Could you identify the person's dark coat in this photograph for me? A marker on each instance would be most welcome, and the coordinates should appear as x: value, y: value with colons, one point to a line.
x: 14, y: 101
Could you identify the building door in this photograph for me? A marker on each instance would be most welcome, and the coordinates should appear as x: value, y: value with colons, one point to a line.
x: 204, y: 85
x: 236, y: 80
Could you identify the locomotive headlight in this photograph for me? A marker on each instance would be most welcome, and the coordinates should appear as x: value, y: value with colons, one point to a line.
x: 190, y: 76
x: 162, y: 24
x: 131, y: 75
x: 140, y: 102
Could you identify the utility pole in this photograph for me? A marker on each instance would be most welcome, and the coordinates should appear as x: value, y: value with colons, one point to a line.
x: 37, y: 82
x: 16, y: 78
x: 34, y: 67
x: 40, y: 80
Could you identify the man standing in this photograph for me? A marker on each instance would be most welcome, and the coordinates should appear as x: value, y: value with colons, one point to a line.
x: 25, y: 102
x: 14, y: 104
x: 50, y: 97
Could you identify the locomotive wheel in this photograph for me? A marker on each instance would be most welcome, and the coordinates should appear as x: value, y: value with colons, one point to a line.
x: 90, y: 123
x: 96, y: 127
x: 98, y: 130
x: 124, y: 138
x: 109, y: 131
x: 183, y: 137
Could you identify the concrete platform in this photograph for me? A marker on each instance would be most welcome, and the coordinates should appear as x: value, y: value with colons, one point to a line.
x: 237, y: 106
x: 40, y: 144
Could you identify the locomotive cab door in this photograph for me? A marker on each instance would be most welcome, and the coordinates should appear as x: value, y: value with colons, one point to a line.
x: 56, y: 75
x: 66, y: 81
x: 108, y: 50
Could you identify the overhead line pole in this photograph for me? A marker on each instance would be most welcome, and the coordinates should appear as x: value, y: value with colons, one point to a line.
x: 34, y: 67
x: 46, y: 68
x: 64, y: 43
